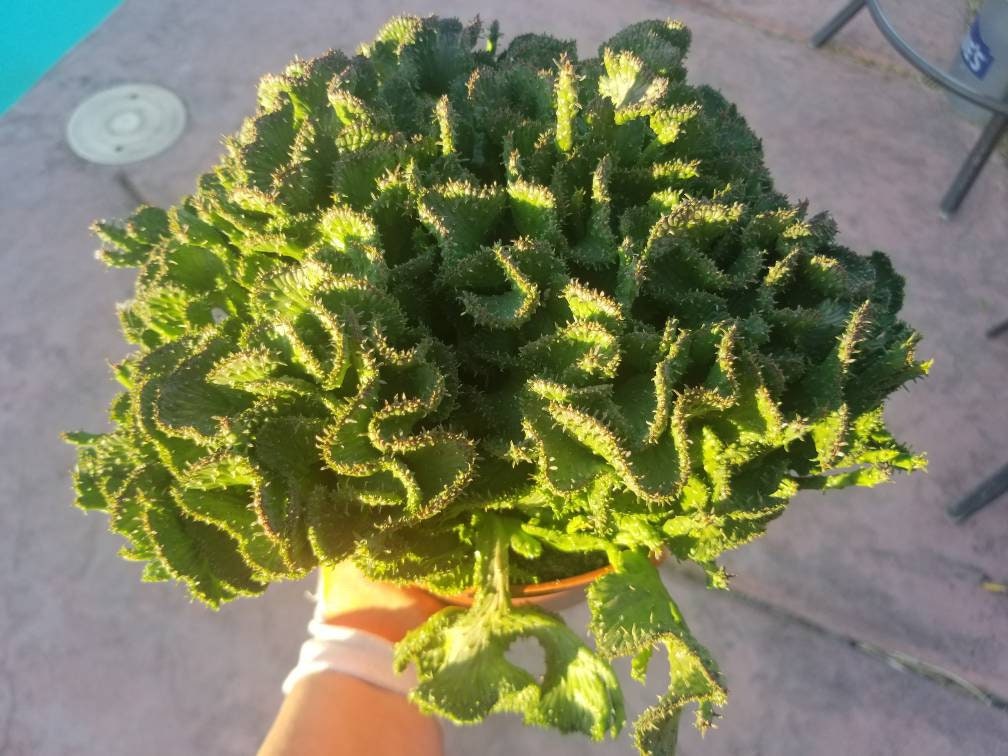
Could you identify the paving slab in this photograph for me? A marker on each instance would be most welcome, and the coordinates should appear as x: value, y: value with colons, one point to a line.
x: 93, y: 661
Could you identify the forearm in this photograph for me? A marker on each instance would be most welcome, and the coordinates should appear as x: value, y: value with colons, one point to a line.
x: 330, y: 714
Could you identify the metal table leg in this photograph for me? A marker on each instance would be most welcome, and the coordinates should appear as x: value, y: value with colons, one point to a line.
x: 982, y: 150
x: 835, y: 24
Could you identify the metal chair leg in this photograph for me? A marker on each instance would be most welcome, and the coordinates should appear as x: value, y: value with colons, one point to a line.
x: 981, y: 151
x: 835, y: 24
x: 995, y: 331
x: 981, y: 496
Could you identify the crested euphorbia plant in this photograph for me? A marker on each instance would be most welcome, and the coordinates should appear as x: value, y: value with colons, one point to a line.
x: 475, y: 317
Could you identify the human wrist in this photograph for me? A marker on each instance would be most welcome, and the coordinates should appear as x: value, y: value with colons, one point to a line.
x: 348, y: 651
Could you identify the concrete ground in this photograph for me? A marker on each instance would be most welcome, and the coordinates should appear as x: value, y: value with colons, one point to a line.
x: 867, y: 623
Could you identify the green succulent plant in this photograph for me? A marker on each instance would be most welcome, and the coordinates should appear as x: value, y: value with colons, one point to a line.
x: 480, y: 318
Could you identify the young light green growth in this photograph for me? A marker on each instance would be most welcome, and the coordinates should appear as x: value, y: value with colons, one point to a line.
x: 475, y: 318
x: 445, y: 125
x: 566, y: 104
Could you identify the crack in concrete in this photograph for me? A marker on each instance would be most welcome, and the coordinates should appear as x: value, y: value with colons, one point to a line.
x: 895, y: 659
x: 906, y: 663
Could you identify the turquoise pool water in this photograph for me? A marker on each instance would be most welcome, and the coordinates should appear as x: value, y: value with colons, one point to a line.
x: 34, y: 34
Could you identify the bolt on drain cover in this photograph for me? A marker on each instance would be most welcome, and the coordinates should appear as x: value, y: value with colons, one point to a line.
x: 126, y: 123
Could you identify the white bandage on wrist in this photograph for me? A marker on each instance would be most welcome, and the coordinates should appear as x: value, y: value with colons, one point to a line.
x: 348, y: 651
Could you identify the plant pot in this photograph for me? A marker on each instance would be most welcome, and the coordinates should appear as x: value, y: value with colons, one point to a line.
x: 553, y: 594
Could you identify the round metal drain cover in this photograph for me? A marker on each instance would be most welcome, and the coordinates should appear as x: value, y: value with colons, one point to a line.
x: 126, y: 123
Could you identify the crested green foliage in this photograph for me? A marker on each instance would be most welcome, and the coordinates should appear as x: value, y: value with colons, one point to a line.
x: 474, y: 316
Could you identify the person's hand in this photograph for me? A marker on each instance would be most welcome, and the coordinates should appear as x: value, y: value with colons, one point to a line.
x: 340, y: 715
x: 348, y: 598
